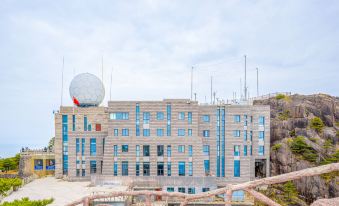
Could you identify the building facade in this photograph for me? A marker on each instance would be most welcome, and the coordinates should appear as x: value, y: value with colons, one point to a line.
x: 171, y: 138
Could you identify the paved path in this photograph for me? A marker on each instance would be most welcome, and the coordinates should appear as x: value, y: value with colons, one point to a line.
x: 63, y: 192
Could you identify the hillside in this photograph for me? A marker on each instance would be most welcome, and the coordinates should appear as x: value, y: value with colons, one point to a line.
x: 305, y: 133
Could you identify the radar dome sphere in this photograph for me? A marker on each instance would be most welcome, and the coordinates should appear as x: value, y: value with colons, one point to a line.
x: 87, y: 90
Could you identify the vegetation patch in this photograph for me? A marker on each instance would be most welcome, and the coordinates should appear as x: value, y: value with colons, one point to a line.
x: 11, y: 163
x: 313, y: 139
x: 284, y: 115
x: 276, y: 147
x: 301, y: 148
x: 280, y: 96
x: 27, y: 202
x: 292, y: 133
x: 317, y: 124
x: 7, y: 183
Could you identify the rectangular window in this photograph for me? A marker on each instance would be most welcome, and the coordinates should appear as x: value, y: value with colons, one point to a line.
x: 169, y: 169
x: 206, y: 149
x: 236, y: 133
x: 124, y: 168
x: 236, y: 150
x: 93, y: 166
x: 181, y: 132
x: 181, y: 116
x: 181, y: 148
x: 245, y: 120
x: 160, y: 132
x: 236, y: 168
x: 261, y: 120
x: 137, y: 120
x: 245, y: 150
x: 245, y: 135
x: 77, y: 143
x: 261, y: 135
x: 181, y: 189
x: 169, y: 151
x: 146, y: 150
x: 207, y: 167
x: 205, y: 133
x: 189, y: 132
x: 190, y: 150
x: 146, y: 132
x: 137, y: 150
x: 146, y: 117
x: 160, y: 150
x: 181, y: 167
x: 89, y: 128
x: 78, y: 173
x: 191, y: 190
x: 85, y: 123
x: 98, y: 127
x: 137, y: 169
x: 251, y: 150
x: 103, y: 145
x: 169, y: 114
x: 146, y: 169
x: 83, y: 146
x: 189, y: 117
x: 236, y: 118
x: 116, y: 132
x: 251, y: 135
x: 115, y: 150
x: 73, y: 127
x: 124, y: 148
x: 261, y: 150
x: 115, y: 168
x: 205, y: 189
x: 119, y: 115
x: 206, y: 118
x: 93, y: 147
x: 83, y: 172
x: 125, y: 132
x: 170, y: 189
x: 160, y: 169
x: 190, y: 168
x: 160, y: 116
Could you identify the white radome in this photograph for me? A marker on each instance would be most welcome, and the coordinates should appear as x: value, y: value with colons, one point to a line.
x: 87, y: 89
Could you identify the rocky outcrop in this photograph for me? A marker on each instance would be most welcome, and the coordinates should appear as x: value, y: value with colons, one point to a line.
x: 290, y: 117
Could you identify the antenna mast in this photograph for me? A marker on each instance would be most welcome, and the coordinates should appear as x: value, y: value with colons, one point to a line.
x: 192, y: 83
x: 211, y: 89
x: 62, y: 77
x: 110, y: 89
x: 245, y: 88
x: 257, y: 82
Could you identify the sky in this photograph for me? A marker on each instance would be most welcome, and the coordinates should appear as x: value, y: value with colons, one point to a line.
x: 149, y: 47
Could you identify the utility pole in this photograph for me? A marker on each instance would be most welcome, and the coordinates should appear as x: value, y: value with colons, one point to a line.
x: 257, y: 82
x: 245, y: 88
x: 195, y: 96
x: 192, y: 83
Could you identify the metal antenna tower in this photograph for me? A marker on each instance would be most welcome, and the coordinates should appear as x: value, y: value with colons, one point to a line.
x: 245, y: 86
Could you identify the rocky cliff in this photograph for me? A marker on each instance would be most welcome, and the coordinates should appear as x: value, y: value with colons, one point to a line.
x: 305, y: 133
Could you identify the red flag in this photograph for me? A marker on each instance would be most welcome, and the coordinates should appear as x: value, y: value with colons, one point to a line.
x: 76, y: 102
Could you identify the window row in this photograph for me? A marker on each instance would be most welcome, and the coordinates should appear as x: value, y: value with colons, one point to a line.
x: 237, y: 119
x: 146, y: 151
x: 147, y: 132
x: 147, y: 116
x: 261, y: 150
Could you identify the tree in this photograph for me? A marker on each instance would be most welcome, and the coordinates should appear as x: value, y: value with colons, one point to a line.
x: 290, y: 190
x: 7, y: 164
x: 51, y: 143
x: 317, y: 124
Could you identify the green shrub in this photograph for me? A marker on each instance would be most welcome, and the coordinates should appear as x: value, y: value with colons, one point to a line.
x: 26, y: 202
x: 328, y: 145
x: 284, y: 115
x: 313, y: 139
x: 292, y: 133
x: 7, y: 183
x: 280, y: 96
x: 276, y: 147
x: 300, y: 147
x: 290, y: 190
x: 11, y: 163
x: 317, y: 124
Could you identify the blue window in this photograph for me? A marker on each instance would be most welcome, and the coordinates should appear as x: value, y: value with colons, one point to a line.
x: 189, y: 132
x: 181, y: 189
x: 181, y: 166
x: 146, y: 132
x: 93, y: 147
x: 245, y: 135
x: 169, y: 151
x: 103, y: 145
x: 261, y: 120
x: 77, y: 147
x: 190, y: 150
x: 137, y: 169
x: 236, y: 168
x: 83, y: 146
x: 115, y: 168
x: 160, y: 116
x: 146, y: 117
x: 190, y: 169
x: 191, y: 190
x: 73, y: 123
x: 181, y: 148
x: 85, y: 123
x: 181, y: 116
x: 206, y: 149
x: 146, y: 150
x: 251, y: 150
x: 89, y: 127
x: 125, y: 132
x: 238, y: 196
x: 170, y: 189
x: 169, y: 113
x: 251, y: 135
x: 206, y: 118
x: 160, y: 150
x: 261, y: 135
x: 124, y: 168
x: 119, y: 115
x: 137, y: 120
x: 236, y: 118
x: 181, y: 132
x: 236, y: 150
x: 116, y: 132
x: 124, y: 148
x: 261, y: 150
x: 206, y: 133
x: 207, y: 167
x: 245, y: 150
x: 160, y: 132
x: 115, y: 150
x: 205, y: 189
x: 93, y: 166
x: 169, y: 169
x: 236, y: 133
x: 189, y: 117
x: 245, y: 120
x: 137, y: 150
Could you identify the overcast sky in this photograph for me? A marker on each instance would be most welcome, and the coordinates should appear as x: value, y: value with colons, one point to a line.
x: 151, y: 46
